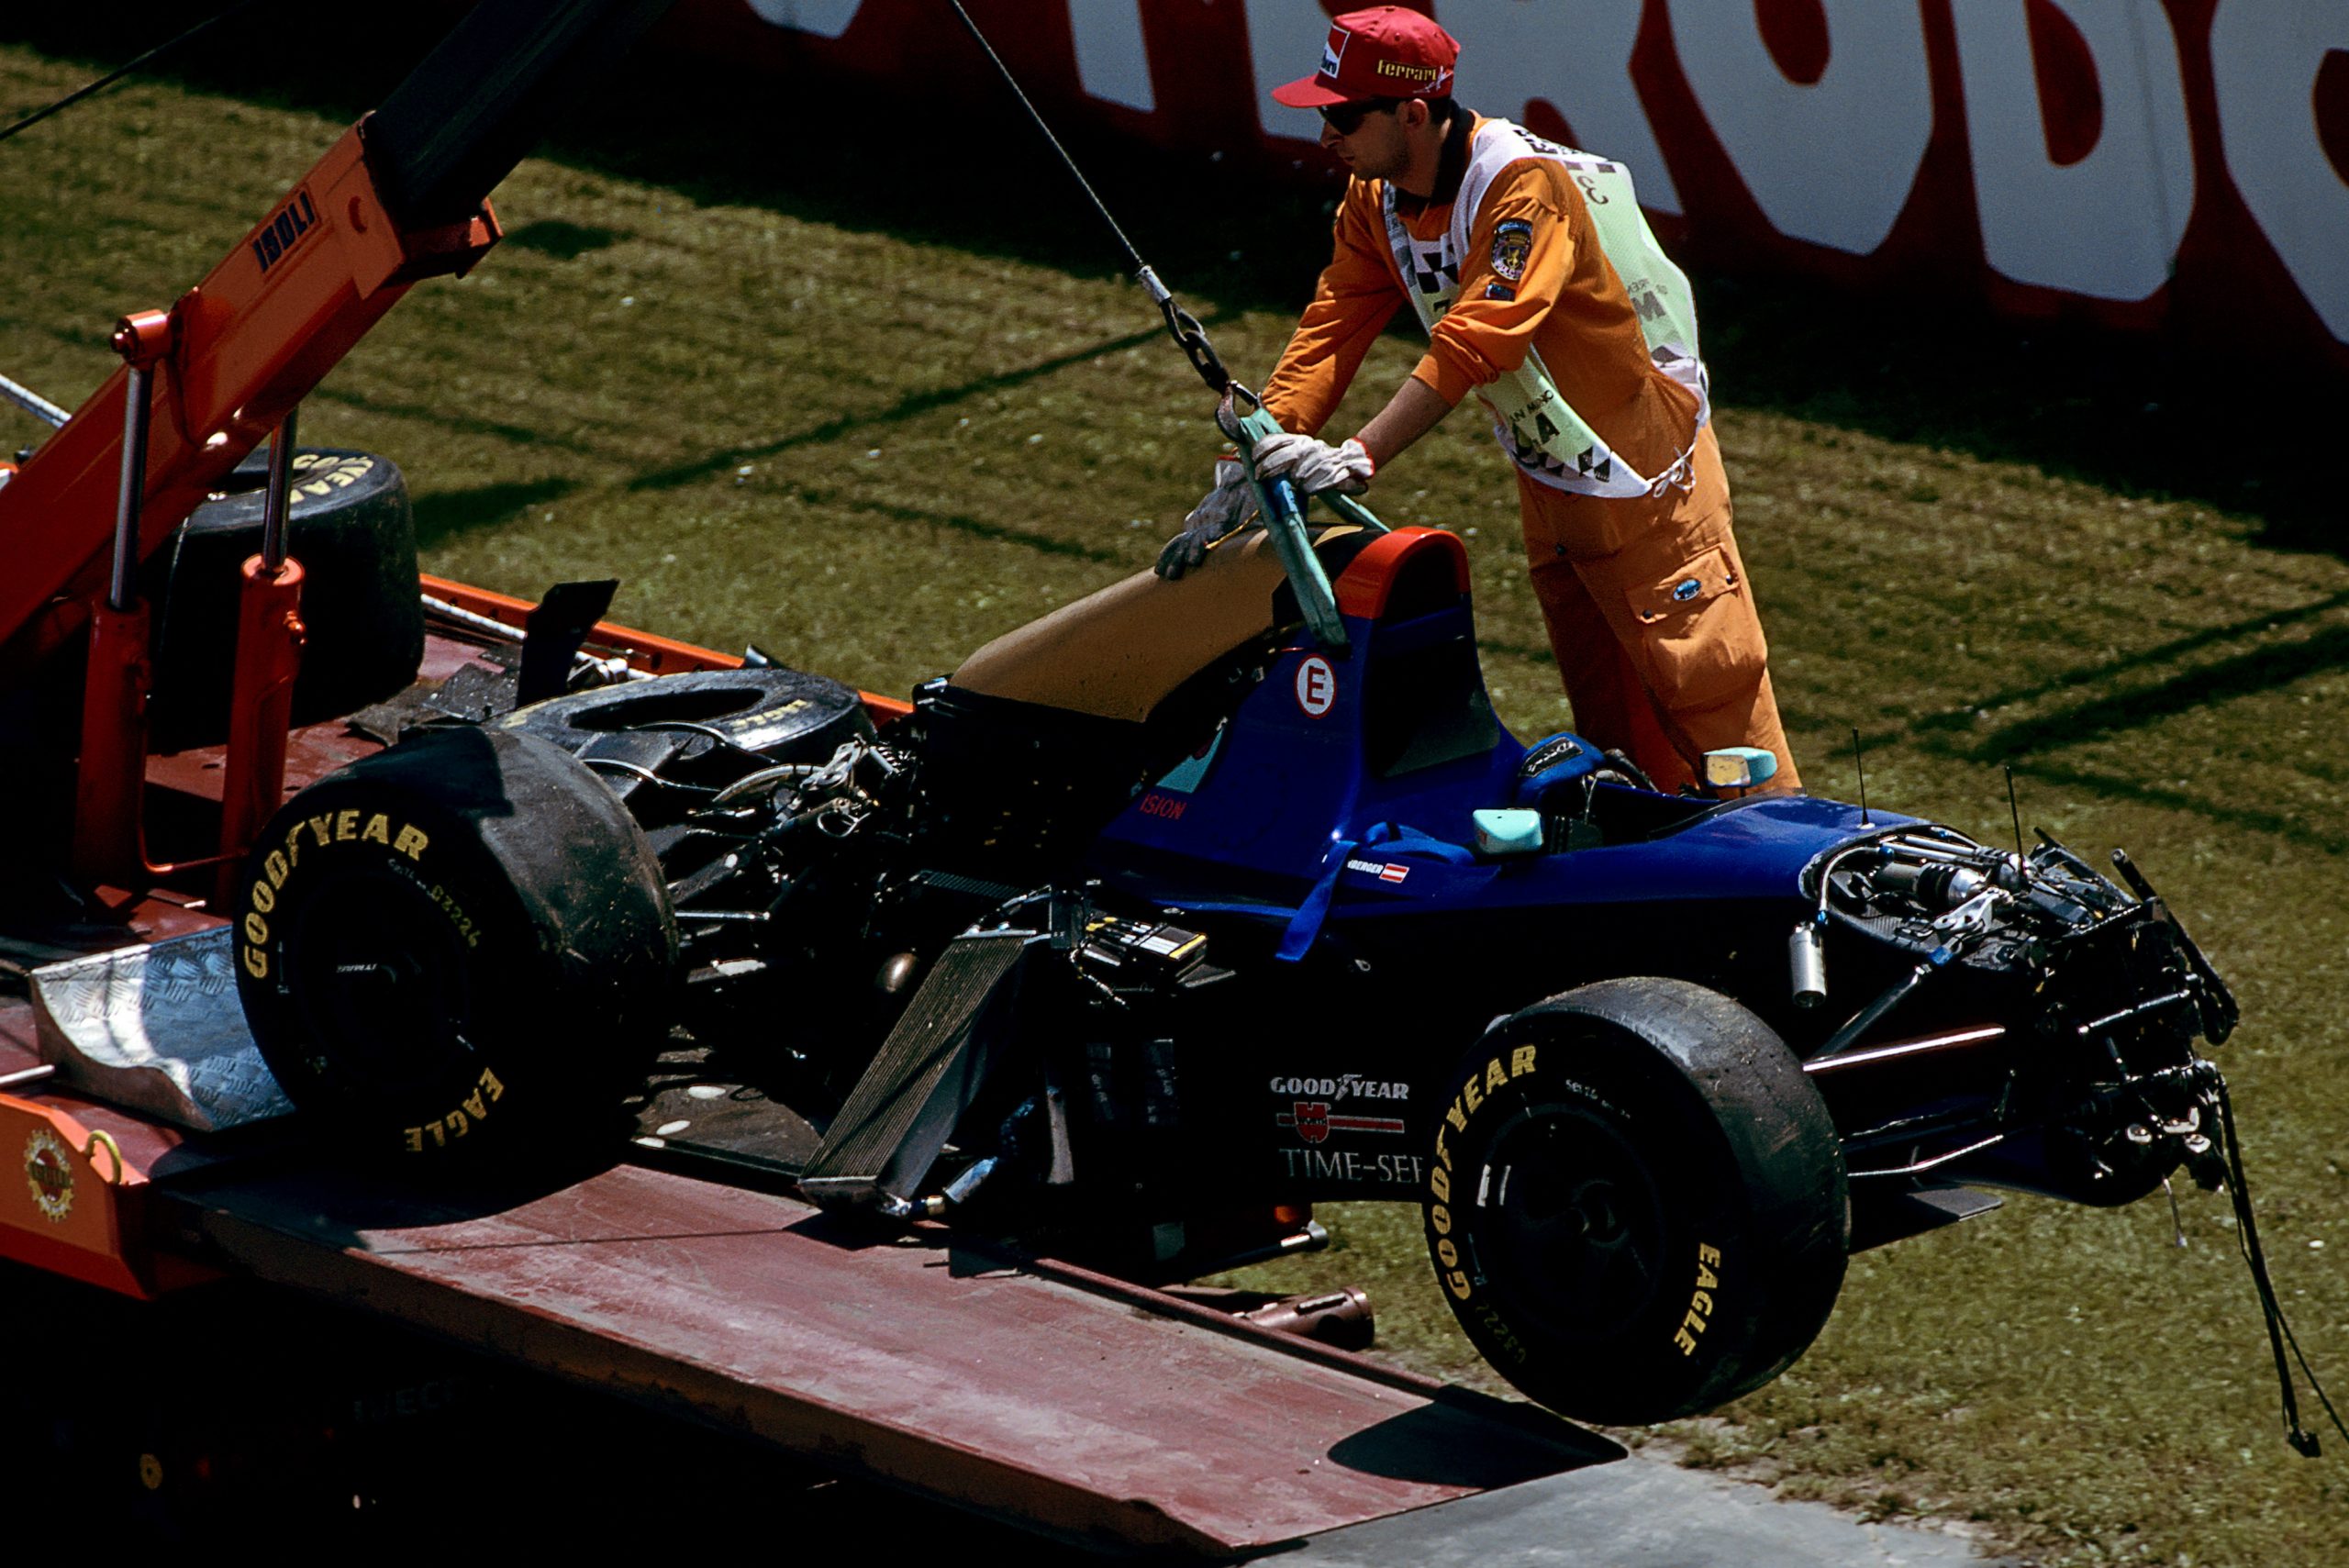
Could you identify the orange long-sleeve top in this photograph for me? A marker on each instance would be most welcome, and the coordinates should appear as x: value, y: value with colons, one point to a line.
x: 1568, y: 302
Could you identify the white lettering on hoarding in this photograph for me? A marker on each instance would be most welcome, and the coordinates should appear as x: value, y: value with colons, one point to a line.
x: 1513, y: 53
x: 1832, y: 161
x: 824, y: 18
x: 2108, y: 224
x: 2264, y: 64
x: 1111, y: 63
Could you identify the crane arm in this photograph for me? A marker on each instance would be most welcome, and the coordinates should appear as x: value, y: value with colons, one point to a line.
x: 402, y: 196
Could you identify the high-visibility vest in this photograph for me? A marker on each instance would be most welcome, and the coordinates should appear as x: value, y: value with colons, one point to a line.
x: 1535, y: 424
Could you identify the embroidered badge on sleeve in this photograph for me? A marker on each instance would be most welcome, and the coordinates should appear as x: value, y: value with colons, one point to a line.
x: 1512, y: 245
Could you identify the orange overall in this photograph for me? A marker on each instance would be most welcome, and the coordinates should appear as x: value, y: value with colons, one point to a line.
x: 1649, y: 608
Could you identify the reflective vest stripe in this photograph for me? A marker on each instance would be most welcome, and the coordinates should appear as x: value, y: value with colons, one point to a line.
x: 1535, y: 424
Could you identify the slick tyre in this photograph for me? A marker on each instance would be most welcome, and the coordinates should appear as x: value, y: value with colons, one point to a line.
x: 785, y: 716
x: 1636, y: 1205
x: 351, y: 527
x: 459, y: 949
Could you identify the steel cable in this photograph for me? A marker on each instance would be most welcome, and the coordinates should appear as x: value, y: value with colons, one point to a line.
x: 110, y: 78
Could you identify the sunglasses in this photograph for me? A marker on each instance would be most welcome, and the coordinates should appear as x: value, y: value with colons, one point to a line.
x: 1347, y: 118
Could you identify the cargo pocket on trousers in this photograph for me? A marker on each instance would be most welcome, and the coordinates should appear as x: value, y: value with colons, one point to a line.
x: 1703, y: 641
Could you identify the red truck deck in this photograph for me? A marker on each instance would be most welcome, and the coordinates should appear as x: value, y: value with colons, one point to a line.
x: 1081, y: 1406
x: 1073, y: 1402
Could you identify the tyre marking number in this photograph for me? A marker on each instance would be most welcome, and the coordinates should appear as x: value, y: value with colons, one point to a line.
x: 1700, y: 1301
x: 463, y: 922
x: 1595, y: 1098
x: 1499, y: 1330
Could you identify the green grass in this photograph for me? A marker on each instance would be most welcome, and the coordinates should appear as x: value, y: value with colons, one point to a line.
x: 767, y: 392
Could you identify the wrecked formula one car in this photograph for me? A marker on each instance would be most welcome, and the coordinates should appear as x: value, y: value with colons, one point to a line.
x: 1154, y: 924
x: 1169, y: 916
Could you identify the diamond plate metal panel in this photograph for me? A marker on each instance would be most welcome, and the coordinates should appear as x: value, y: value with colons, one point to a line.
x: 158, y: 1028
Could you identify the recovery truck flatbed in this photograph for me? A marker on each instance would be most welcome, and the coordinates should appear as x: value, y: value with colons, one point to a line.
x: 1091, y: 1409
x: 1067, y: 1402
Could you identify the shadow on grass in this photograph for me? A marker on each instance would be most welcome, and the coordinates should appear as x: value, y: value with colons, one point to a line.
x: 2243, y: 675
x: 444, y: 515
x: 2023, y: 745
x: 2138, y: 415
x: 449, y: 417
x: 976, y: 527
x: 904, y: 409
x: 564, y: 241
x: 2119, y: 786
x: 1962, y: 718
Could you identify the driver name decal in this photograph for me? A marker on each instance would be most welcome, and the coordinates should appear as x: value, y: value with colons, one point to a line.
x: 1317, y: 686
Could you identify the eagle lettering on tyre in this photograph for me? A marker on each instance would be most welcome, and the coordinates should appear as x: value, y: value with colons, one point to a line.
x: 1635, y: 1201
x: 456, y: 946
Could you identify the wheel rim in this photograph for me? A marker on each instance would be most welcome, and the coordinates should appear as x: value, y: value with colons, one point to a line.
x: 379, y: 970
x: 1572, y: 1230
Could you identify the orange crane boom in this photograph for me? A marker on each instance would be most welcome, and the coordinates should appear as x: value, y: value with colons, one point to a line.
x: 402, y: 196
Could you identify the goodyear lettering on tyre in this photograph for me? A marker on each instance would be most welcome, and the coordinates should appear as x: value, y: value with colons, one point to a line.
x: 315, y: 834
x: 323, y: 473
x: 1498, y: 1072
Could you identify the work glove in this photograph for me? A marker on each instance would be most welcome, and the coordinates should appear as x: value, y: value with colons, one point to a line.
x: 1314, y: 466
x: 1230, y: 505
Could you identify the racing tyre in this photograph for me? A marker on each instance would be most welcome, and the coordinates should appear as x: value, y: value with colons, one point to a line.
x: 1636, y: 1208
x: 460, y: 949
x: 351, y: 527
x: 785, y: 716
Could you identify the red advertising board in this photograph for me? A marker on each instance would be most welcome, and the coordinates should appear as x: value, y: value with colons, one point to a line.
x: 2169, y: 166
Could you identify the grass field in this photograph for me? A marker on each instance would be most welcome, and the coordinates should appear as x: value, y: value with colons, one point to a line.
x: 868, y: 414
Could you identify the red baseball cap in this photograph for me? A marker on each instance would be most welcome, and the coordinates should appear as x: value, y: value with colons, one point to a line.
x: 1384, y: 52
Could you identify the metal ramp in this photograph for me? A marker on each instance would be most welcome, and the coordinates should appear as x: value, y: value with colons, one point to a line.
x: 1097, y: 1411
